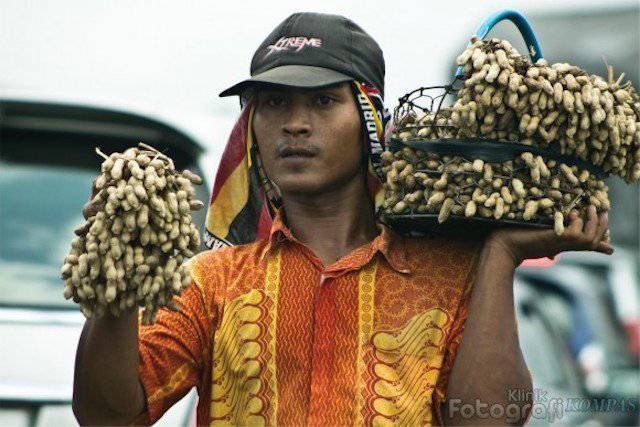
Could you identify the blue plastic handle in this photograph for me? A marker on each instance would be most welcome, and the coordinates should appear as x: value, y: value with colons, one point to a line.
x: 521, y: 23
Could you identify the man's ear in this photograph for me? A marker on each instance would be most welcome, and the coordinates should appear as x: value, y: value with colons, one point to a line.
x: 247, y: 95
x: 271, y: 188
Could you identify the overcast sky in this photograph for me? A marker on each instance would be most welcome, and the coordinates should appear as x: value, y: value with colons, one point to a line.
x: 171, y: 59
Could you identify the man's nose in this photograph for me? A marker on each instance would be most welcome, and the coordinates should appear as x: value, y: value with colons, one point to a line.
x: 298, y: 122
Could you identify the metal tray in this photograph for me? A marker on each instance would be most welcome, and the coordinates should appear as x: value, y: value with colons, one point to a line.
x: 475, y: 227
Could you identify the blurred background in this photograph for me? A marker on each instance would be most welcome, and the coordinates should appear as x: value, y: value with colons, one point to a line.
x: 78, y: 74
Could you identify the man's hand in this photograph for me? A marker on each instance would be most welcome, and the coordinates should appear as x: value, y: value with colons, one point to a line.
x: 91, y: 208
x: 524, y: 244
x: 94, y: 204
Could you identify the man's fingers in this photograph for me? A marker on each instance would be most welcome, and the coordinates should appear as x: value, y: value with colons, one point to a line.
x: 92, y: 207
x: 603, y: 226
x: 589, y: 238
x: 605, y: 248
x: 93, y: 188
x: 592, y: 223
x: 575, y: 223
x: 83, y: 229
x: 88, y: 210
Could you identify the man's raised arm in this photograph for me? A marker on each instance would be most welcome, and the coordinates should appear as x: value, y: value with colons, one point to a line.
x: 107, y: 389
x: 489, y: 360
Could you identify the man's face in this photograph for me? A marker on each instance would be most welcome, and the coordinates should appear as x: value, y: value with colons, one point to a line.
x: 309, y: 140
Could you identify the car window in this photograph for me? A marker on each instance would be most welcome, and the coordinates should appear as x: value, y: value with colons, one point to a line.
x: 39, y: 208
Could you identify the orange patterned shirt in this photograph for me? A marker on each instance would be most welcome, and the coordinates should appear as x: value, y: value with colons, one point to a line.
x: 269, y: 335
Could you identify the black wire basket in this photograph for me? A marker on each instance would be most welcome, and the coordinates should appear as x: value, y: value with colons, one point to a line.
x: 426, y: 103
x: 423, y: 123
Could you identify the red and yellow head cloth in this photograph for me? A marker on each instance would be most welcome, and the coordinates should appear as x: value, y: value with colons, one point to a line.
x: 244, y: 201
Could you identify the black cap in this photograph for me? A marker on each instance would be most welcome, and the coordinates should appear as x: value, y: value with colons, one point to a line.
x: 312, y: 50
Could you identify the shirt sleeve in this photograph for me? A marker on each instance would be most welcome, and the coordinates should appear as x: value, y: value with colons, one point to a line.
x: 455, y: 336
x: 173, y: 353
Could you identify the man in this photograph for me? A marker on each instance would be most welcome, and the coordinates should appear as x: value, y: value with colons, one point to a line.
x: 319, y: 314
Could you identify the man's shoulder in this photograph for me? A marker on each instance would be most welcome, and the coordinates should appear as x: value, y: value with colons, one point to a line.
x: 442, y: 246
x: 217, y: 272
x: 446, y: 260
x: 230, y: 257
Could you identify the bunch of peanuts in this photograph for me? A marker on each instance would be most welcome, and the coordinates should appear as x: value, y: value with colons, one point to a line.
x: 507, y: 97
x: 421, y: 182
x: 132, y: 249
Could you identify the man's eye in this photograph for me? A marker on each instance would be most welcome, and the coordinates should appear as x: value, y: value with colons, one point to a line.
x: 275, y: 101
x: 324, y: 100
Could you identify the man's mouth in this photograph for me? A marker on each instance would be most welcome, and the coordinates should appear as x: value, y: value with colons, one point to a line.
x: 297, y: 152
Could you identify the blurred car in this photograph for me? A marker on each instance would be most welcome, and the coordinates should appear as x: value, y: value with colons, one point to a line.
x: 554, y: 374
x: 578, y: 303
x: 47, y: 165
x: 620, y: 272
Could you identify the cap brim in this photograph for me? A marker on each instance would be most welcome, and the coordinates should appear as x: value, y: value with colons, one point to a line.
x: 302, y: 76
